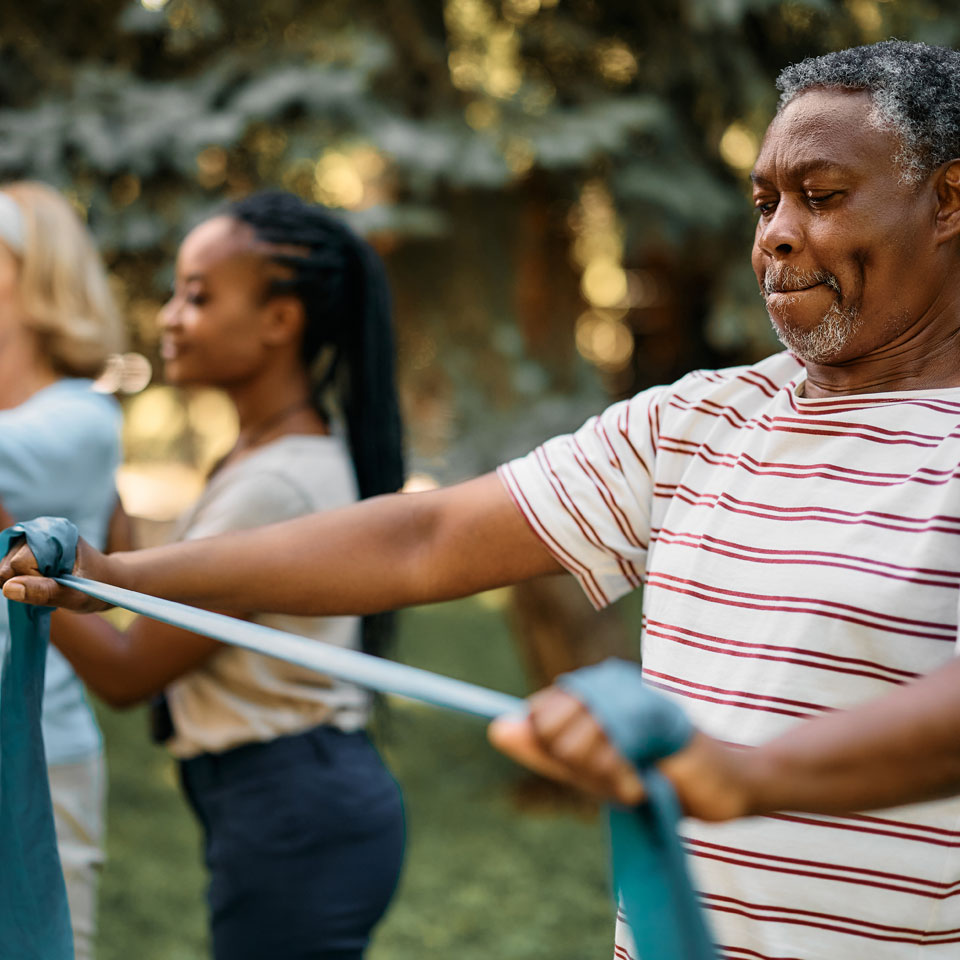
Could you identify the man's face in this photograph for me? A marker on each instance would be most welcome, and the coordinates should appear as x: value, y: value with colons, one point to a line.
x: 843, y: 249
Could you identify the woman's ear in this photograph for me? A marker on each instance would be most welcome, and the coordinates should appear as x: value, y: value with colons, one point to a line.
x: 284, y: 320
x: 948, y: 197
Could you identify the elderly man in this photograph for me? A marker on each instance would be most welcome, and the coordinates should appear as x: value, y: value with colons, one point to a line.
x: 796, y: 525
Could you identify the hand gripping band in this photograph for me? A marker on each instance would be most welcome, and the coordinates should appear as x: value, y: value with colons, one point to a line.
x: 649, y: 867
x: 648, y: 862
x: 34, y: 919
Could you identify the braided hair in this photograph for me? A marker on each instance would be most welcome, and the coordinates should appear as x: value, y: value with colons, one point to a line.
x: 342, y: 285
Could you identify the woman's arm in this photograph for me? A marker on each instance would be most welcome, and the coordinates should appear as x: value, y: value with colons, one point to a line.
x: 120, y: 531
x: 900, y: 748
x: 380, y: 554
x: 126, y: 667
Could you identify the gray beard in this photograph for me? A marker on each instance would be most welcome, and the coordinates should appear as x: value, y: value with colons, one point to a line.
x: 827, y: 340
x: 836, y: 329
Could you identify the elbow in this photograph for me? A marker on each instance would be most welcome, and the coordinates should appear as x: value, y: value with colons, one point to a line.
x: 120, y: 699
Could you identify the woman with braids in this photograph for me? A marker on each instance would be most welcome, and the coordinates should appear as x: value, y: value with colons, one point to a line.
x: 278, y: 304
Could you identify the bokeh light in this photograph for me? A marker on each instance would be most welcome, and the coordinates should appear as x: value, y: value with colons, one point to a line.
x: 603, y: 337
x: 739, y: 147
x: 616, y: 62
x: 126, y: 373
x: 604, y: 340
x: 348, y: 177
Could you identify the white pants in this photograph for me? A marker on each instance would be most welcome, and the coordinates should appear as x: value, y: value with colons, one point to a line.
x: 77, y: 790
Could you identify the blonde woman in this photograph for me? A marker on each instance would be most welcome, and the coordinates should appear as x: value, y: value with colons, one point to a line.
x: 59, y: 447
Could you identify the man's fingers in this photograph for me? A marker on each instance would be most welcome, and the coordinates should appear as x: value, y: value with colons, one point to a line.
x: 601, y: 771
x: 515, y: 737
x: 553, y: 710
x: 22, y: 581
x: 627, y: 787
x: 36, y: 590
x: 44, y: 592
x: 578, y: 743
x: 21, y: 578
x: 19, y: 560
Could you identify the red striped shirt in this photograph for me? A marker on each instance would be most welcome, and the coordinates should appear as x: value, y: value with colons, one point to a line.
x: 799, y: 556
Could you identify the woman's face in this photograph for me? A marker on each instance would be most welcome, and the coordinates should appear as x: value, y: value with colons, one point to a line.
x: 212, y: 328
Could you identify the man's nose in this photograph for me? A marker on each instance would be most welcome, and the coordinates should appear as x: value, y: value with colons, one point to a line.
x: 781, y: 233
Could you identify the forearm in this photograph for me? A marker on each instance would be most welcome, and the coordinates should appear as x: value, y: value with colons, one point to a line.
x: 125, y: 667
x: 901, y: 748
x: 381, y: 554
x: 102, y: 656
x: 898, y: 749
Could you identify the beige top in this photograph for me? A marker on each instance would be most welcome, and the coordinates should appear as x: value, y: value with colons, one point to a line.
x: 238, y: 696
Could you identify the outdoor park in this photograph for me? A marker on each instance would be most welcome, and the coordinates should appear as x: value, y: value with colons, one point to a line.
x: 559, y: 190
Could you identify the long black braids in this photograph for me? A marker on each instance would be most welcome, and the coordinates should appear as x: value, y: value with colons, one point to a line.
x: 342, y: 285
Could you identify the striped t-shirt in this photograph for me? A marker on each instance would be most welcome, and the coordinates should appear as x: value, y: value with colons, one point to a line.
x: 797, y: 555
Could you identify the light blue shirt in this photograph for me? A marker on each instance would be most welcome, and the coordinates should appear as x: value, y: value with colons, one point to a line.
x: 58, y: 454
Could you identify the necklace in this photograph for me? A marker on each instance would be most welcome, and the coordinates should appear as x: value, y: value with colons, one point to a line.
x: 272, y: 421
x: 256, y: 435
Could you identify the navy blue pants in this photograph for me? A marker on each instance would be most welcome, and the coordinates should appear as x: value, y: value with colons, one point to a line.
x: 304, y: 840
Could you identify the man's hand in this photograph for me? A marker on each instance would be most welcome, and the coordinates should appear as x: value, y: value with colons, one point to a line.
x: 21, y: 579
x: 560, y: 738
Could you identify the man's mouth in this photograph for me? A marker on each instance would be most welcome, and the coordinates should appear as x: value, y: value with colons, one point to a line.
x: 787, y: 281
x: 777, y: 289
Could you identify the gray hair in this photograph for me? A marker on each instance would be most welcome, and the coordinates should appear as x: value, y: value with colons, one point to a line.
x: 915, y: 89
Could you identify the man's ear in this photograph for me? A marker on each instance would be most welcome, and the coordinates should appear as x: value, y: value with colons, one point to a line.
x: 284, y: 320
x: 948, y: 201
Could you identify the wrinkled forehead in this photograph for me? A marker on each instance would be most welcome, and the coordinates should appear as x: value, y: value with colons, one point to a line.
x: 826, y: 127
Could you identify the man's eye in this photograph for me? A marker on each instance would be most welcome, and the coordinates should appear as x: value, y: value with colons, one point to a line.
x: 765, y: 207
x: 818, y: 199
x: 196, y: 299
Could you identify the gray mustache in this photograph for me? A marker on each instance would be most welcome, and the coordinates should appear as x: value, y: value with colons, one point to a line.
x: 784, y: 279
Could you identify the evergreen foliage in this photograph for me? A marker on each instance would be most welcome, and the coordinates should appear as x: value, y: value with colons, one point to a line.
x: 448, y: 131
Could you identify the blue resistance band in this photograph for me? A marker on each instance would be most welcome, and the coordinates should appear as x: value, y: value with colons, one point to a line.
x: 34, y: 919
x: 649, y: 869
x: 648, y: 862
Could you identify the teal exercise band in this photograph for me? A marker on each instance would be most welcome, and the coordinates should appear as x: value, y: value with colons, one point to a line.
x: 648, y: 862
x: 34, y: 919
x: 385, y: 676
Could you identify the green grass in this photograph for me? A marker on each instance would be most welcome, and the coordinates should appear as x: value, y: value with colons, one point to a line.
x: 485, y: 876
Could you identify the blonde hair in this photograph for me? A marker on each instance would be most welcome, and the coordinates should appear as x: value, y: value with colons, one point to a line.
x: 63, y: 284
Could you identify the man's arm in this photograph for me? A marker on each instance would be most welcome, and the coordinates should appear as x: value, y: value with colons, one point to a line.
x: 900, y: 748
x: 380, y: 554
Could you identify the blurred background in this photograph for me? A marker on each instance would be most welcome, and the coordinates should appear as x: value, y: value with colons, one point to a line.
x: 559, y: 190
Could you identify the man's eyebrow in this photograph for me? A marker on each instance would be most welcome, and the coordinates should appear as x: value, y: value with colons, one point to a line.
x: 803, y: 169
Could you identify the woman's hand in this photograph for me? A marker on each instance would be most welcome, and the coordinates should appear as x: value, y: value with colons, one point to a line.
x: 21, y: 579
x: 560, y: 738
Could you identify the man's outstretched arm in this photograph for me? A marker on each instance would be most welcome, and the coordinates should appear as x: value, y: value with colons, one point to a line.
x: 901, y: 748
x: 381, y: 554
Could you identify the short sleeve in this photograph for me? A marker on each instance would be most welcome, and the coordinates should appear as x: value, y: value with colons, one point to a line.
x: 587, y: 495
x: 249, y: 499
x: 58, y: 452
